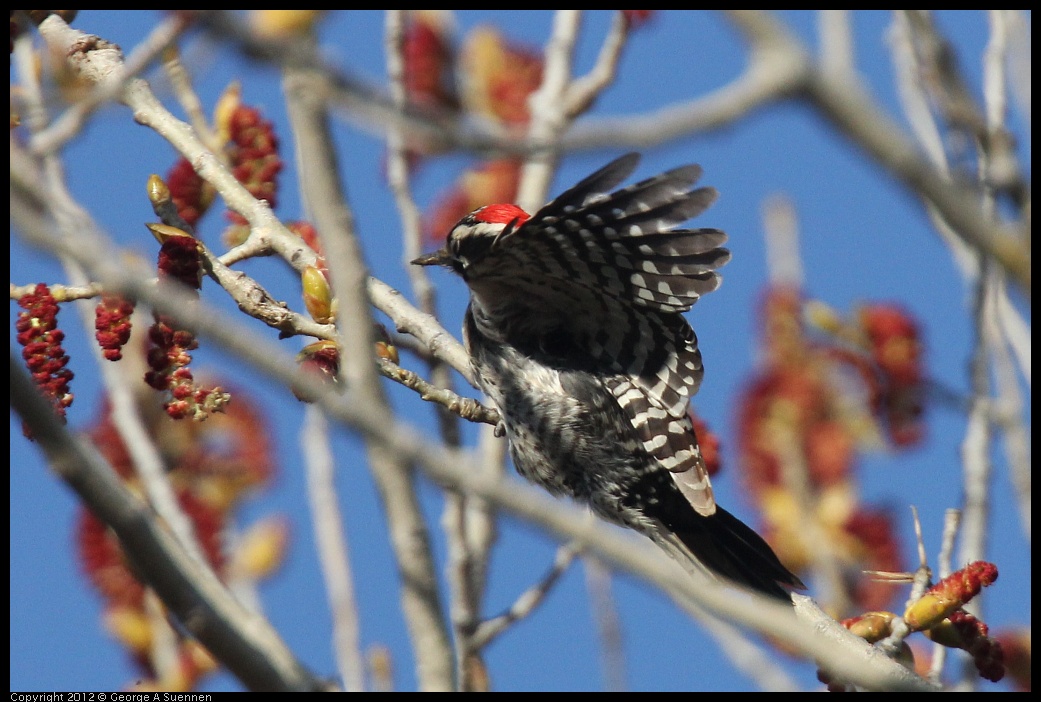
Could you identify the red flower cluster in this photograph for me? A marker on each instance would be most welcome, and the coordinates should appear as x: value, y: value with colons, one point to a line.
x: 1016, y: 650
x: 169, y: 347
x: 429, y: 59
x: 319, y: 357
x: 896, y: 349
x: 112, y: 325
x: 253, y: 152
x: 499, y: 76
x: 44, y: 356
x: 950, y: 594
x: 962, y: 630
x: 939, y: 615
x: 191, y: 194
x: 637, y: 18
x: 104, y: 563
x: 179, y: 260
x: 800, y: 409
x: 791, y: 400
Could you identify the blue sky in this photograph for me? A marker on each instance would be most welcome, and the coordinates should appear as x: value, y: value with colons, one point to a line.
x: 862, y: 238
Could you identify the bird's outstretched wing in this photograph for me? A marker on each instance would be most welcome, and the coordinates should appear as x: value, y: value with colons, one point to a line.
x: 623, y: 244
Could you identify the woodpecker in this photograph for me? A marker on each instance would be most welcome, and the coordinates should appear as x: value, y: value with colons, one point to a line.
x: 575, y: 333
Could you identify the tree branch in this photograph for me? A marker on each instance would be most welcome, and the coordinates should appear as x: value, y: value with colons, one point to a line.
x: 241, y: 640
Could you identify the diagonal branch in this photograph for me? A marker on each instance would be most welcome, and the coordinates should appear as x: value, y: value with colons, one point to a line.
x: 243, y: 641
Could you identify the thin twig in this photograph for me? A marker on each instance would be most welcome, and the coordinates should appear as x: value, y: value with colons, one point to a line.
x: 531, y: 598
x: 189, y: 99
x: 781, y: 236
x: 1004, y: 321
x: 333, y: 553
x: 975, y: 448
x: 920, y: 581
x: 61, y: 293
x: 837, y: 52
x: 548, y: 117
x: 608, y: 627
x: 69, y: 124
x: 465, y: 407
x: 583, y: 91
x: 951, y: 522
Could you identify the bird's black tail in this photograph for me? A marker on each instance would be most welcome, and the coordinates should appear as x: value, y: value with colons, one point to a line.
x: 730, y: 548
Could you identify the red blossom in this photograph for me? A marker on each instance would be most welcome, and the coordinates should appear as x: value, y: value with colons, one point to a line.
x: 321, y: 358
x: 211, y: 466
x: 429, y: 62
x: 830, y: 450
x: 791, y: 401
x: 102, y: 560
x: 962, y: 630
x: 112, y: 324
x: 190, y: 193
x: 44, y: 356
x: 950, y: 594
x: 894, y: 340
x: 896, y: 349
x: 179, y: 259
x: 637, y: 18
x: 101, y: 554
x: 509, y: 92
x: 109, y: 442
x: 229, y: 455
x: 168, y: 359
x: 106, y: 566
x: 253, y: 154
x: 499, y: 76
x: 169, y: 348
x: 428, y: 72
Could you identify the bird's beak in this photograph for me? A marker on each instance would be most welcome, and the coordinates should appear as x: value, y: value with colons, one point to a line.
x: 441, y: 257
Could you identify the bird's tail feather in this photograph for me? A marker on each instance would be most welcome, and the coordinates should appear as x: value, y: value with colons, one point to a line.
x: 725, y: 546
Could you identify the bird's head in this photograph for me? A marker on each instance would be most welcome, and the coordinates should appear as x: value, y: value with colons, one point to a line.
x: 474, y: 236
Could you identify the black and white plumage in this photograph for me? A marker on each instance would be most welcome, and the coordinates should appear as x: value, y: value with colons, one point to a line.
x: 575, y: 333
